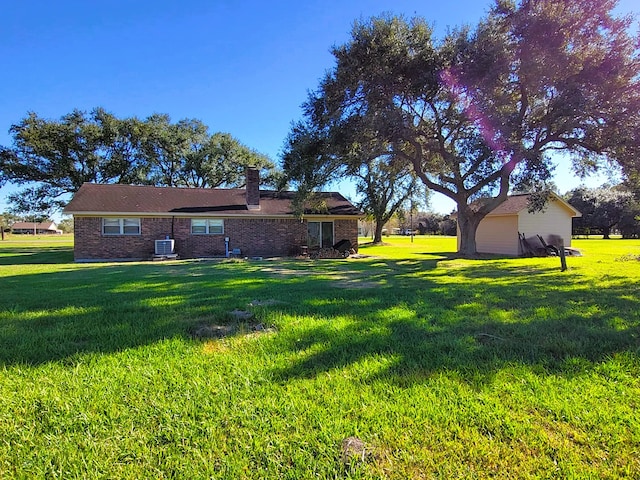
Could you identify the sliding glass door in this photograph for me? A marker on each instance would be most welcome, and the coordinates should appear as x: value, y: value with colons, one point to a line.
x: 320, y: 234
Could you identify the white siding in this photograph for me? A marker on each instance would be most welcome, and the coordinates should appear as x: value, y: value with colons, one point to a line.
x: 498, y: 235
x: 554, y: 220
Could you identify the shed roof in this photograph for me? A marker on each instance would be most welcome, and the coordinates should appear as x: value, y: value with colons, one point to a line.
x: 514, y: 204
x: 134, y: 199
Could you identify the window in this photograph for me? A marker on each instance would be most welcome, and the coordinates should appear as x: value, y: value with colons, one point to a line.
x: 320, y: 234
x: 121, y: 226
x: 207, y: 226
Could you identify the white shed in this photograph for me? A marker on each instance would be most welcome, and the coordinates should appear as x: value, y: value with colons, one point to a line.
x: 498, y: 231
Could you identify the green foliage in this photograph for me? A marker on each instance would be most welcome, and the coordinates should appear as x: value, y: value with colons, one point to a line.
x: 66, y: 224
x: 308, y: 162
x: 7, y: 219
x: 314, y: 157
x: 61, y: 155
x: 448, y: 226
x: 307, y: 158
x: 221, y: 162
x: 436, y: 224
x: 444, y: 367
x: 603, y: 209
x: 34, y: 204
x: 385, y: 185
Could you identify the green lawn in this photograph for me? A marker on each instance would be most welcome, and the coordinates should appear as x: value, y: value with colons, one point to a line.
x: 443, y: 367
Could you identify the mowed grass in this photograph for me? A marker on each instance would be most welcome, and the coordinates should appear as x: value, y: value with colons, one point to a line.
x: 443, y: 367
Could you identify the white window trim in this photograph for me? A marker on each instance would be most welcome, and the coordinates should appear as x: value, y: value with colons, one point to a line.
x: 121, y: 226
x: 208, y: 226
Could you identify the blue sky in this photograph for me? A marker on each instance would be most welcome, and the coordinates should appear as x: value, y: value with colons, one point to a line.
x: 240, y: 67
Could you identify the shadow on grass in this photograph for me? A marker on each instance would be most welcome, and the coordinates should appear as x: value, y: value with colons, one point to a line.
x: 465, y: 317
x: 475, y: 320
x: 30, y: 256
x: 93, y: 308
x: 474, y: 352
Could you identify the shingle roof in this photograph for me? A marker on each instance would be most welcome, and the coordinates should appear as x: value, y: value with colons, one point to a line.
x: 512, y: 205
x: 518, y: 202
x: 134, y: 199
x: 31, y: 226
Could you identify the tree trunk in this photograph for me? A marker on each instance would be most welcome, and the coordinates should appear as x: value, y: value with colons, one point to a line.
x: 377, y: 234
x: 467, y: 228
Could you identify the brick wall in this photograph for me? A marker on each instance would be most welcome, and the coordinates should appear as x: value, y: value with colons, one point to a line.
x: 253, y: 188
x: 254, y: 237
x: 89, y: 243
x: 346, y: 229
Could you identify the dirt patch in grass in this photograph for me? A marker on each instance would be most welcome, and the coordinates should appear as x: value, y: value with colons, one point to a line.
x: 265, y: 303
x: 289, y: 272
x: 215, y: 331
x: 348, y: 279
x: 224, y: 338
x: 243, y: 323
x: 356, y: 284
x: 241, y: 315
x: 353, y: 451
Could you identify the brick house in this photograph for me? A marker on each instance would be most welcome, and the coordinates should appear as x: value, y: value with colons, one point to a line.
x: 123, y: 222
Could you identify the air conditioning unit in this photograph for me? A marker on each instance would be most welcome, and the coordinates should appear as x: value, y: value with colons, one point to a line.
x: 164, y: 247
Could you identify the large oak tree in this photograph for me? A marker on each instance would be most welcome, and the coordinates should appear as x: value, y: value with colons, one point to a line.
x: 484, y: 110
x: 314, y: 157
x: 58, y: 156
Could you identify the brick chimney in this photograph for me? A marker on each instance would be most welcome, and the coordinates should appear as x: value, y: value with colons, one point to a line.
x: 253, y: 188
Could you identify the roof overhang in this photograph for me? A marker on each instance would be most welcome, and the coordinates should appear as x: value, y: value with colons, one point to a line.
x: 553, y: 197
x: 563, y: 203
x: 247, y: 216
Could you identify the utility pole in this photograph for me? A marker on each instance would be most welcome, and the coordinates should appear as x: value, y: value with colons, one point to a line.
x: 411, y: 216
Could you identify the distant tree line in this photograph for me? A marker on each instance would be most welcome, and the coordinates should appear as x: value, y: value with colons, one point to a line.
x: 421, y: 223
x: 430, y: 223
x: 51, y: 158
x: 606, y: 210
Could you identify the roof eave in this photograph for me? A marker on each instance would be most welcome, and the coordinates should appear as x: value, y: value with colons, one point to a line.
x: 204, y: 214
x: 554, y: 197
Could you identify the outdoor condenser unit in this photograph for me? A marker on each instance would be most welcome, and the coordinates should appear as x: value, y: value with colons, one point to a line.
x: 164, y: 247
